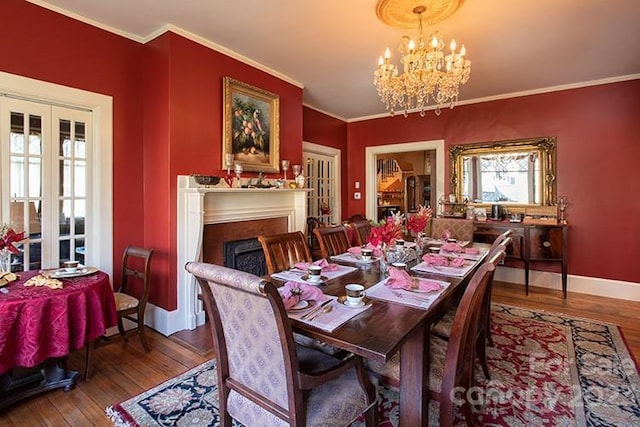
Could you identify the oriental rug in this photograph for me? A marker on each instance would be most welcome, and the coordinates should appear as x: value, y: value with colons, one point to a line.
x: 547, y: 370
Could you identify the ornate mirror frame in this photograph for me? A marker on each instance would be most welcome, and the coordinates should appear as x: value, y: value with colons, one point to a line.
x: 544, y: 146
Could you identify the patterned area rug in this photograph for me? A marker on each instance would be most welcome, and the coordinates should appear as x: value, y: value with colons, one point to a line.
x: 547, y: 370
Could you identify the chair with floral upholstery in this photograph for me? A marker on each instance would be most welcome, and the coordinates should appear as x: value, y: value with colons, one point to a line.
x: 263, y: 377
x: 450, y: 373
x: 459, y: 229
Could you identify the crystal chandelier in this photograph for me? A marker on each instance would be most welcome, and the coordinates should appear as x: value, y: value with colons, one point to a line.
x: 428, y: 74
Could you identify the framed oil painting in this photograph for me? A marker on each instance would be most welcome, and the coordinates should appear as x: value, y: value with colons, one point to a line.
x: 251, y: 131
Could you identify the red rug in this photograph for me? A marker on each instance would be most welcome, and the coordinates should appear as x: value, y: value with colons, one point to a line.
x: 547, y: 370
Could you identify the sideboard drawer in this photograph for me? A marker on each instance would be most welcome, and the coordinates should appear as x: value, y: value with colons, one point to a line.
x: 545, y: 243
x: 488, y: 232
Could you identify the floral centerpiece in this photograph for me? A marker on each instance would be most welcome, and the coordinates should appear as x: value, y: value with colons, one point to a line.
x: 8, y: 240
x: 418, y: 221
x: 388, y: 230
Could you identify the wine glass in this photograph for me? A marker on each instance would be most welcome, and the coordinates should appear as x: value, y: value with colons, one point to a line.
x: 285, y: 167
x: 238, y: 170
x: 228, y: 161
x: 296, y: 170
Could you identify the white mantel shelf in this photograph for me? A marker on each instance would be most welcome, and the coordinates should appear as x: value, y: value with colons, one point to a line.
x: 199, y: 205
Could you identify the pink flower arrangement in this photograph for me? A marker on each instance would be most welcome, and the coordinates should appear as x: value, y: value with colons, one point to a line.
x: 418, y: 221
x: 8, y: 238
x: 388, y: 231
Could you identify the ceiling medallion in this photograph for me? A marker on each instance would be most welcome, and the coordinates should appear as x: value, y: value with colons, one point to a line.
x: 428, y: 73
x: 400, y: 13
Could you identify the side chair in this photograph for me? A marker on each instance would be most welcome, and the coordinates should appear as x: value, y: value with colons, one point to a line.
x: 333, y: 240
x: 362, y: 230
x: 282, y: 251
x: 460, y: 229
x: 264, y: 378
x: 452, y: 368
x: 131, y: 300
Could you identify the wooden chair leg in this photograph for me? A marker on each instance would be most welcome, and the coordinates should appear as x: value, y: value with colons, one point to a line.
x: 143, y: 337
x: 481, y: 351
x: 121, y: 328
x: 88, y: 360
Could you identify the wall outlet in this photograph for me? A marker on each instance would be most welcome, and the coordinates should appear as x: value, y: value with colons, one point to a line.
x: 357, y: 195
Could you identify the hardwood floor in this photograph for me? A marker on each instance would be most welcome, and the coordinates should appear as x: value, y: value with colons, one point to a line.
x: 124, y: 370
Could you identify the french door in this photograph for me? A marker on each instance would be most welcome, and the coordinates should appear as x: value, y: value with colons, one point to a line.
x: 322, y: 169
x: 45, y: 153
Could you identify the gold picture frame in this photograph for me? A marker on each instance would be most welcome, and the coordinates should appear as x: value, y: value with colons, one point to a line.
x: 251, y: 131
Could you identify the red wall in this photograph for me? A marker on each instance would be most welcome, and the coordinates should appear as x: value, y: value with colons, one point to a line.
x: 598, y: 152
x: 183, y: 134
x: 44, y: 45
x: 322, y: 129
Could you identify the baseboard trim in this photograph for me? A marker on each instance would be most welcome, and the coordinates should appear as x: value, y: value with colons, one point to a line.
x: 581, y: 284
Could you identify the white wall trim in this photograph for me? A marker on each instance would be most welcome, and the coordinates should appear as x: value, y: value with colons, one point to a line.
x: 101, y: 107
x: 580, y: 284
x: 371, y: 168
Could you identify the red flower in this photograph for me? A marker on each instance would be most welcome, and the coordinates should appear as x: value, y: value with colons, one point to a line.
x: 417, y: 222
x: 9, y: 238
x: 387, y: 232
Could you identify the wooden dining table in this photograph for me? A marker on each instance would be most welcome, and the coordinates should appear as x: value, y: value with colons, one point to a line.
x: 388, y: 327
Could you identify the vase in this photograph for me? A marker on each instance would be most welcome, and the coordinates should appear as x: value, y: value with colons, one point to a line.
x: 5, y: 260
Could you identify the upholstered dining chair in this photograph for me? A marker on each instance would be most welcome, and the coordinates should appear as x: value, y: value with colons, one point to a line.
x: 443, y: 328
x: 362, y: 229
x: 333, y: 240
x: 131, y: 300
x: 451, y: 372
x: 460, y: 229
x: 282, y: 251
x: 264, y: 378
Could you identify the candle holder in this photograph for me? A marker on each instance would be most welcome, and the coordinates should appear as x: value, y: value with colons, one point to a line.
x: 285, y: 167
x: 238, y: 169
x: 563, y: 204
x: 228, y: 161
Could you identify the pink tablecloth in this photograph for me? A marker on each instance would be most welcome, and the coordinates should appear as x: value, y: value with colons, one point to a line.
x: 37, y: 323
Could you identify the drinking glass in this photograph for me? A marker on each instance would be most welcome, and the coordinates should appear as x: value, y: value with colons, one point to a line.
x: 228, y: 161
x: 238, y: 170
x: 285, y: 167
x: 296, y: 170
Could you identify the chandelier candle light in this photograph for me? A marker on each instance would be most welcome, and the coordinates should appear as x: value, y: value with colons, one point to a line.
x: 428, y: 73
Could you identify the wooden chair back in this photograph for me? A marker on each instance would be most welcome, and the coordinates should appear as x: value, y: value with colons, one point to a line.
x: 458, y: 372
x: 333, y: 240
x: 361, y: 229
x: 498, y: 241
x: 283, y: 251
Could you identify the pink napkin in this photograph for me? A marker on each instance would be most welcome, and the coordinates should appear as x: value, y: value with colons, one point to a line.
x: 323, y: 263
x: 472, y: 251
x: 451, y: 247
x: 294, y: 292
x: 357, y: 250
x: 400, y: 279
x: 442, y: 261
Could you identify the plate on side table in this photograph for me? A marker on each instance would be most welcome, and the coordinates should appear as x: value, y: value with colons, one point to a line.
x: 64, y: 274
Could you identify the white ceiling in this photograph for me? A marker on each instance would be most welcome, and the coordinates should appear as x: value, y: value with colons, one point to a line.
x: 331, y: 47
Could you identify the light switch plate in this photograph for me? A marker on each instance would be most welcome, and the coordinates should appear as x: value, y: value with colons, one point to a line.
x: 357, y: 185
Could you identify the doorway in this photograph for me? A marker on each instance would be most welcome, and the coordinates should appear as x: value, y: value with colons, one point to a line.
x: 403, y: 152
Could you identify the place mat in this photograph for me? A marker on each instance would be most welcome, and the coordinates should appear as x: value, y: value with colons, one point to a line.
x: 471, y: 257
x: 438, y: 242
x: 423, y: 267
x: 296, y: 274
x: 332, y: 320
x: 415, y: 299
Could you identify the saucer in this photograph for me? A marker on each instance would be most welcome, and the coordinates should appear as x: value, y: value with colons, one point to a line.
x: 343, y: 300
x: 305, y: 277
x: 366, y: 261
x: 301, y: 305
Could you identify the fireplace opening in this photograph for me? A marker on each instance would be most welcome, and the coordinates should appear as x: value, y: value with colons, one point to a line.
x: 245, y: 255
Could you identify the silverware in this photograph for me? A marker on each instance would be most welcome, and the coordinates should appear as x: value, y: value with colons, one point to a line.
x: 417, y: 298
x: 325, y: 309
x: 315, y: 310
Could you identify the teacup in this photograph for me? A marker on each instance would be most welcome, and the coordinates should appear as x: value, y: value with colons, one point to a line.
x: 367, y: 254
x: 434, y: 249
x: 355, y: 294
x: 400, y: 243
x: 399, y: 265
x: 70, y: 266
x: 314, y: 273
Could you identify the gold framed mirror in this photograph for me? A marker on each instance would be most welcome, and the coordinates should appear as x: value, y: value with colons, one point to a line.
x: 516, y: 173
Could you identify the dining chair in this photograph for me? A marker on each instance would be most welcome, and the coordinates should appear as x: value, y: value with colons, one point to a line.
x: 444, y: 326
x: 362, y: 230
x: 264, y: 378
x: 314, y: 247
x: 452, y: 367
x: 333, y: 240
x: 459, y: 229
x: 131, y: 300
x: 282, y: 251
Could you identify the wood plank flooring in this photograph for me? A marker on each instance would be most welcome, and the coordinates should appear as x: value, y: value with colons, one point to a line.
x: 123, y: 369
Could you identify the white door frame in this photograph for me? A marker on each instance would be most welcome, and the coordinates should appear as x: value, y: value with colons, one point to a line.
x: 310, y: 147
x: 371, y: 178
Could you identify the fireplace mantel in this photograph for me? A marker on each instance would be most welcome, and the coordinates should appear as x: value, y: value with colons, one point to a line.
x: 199, y: 205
